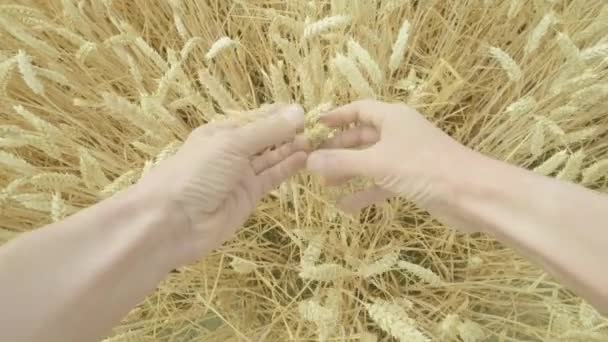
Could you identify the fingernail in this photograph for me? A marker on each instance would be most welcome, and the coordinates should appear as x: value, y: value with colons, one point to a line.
x: 294, y: 114
x: 315, y: 162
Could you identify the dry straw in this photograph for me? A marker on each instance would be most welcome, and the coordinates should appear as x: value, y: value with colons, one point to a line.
x: 93, y: 94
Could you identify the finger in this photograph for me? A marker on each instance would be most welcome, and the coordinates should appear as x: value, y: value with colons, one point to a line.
x: 272, y: 130
x: 271, y: 158
x: 367, y: 112
x: 338, y: 181
x: 342, y: 163
x: 353, y: 137
x: 274, y: 176
x: 354, y: 203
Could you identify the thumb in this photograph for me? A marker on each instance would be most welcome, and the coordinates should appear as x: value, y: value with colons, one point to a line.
x: 341, y: 164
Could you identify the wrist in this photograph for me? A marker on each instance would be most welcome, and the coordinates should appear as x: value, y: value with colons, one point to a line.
x: 466, y: 177
x: 164, y: 225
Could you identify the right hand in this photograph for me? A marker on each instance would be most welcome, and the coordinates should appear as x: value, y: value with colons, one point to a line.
x: 394, y: 145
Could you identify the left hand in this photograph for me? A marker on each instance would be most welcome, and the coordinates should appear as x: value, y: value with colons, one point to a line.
x: 221, y: 172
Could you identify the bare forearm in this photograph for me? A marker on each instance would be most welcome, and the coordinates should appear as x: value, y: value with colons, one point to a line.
x: 560, y: 225
x: 74, y: 280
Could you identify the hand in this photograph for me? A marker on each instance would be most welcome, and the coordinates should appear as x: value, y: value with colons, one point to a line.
x: 392, y: 144
x: 221, y: 172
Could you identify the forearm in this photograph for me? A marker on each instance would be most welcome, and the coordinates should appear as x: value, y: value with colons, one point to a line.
x: 75, y: 280
x: 560, y: 225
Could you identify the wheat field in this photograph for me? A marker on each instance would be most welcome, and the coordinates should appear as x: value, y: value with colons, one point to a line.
x: 94, y: 93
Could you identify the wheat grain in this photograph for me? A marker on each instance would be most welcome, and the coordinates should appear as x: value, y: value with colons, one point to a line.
x: 350, y: 71
x: 39, y: 202
x: 151, y: 53
x: 394, y: 320
x: 219, y: 46
x: 6, y: 67
x: 595, y: 171
x: 422, y: 273
x: 568, y: 48
x: 522, y: 106
x: 573, y: 166
x: 474, y: 262
x: 359, y: 53
x: 85, y: 50
x: 180, y: 26
x: 72, y: 13
x: 21, y: 11
x: 550, y: 125
x: 217, y: 90
x: 123, y: 108
x: 590, y: 95
x: 36, y: 44
x: 552, y: 164
x: 288, y: 49
x: 537, y: 139
x: 470, y: 331
x: 312, y: 252
x: 399, y: 47
x: 588, y: 316
x: 563, y: 111
x: 319, y: 27
x: 91, y: 172
x: 380, y: 266
x: 312, y: 310
x: 69, y: 35
x: 53, y: 76
x: 507, y: 63
x: 58, y: 208
x: 280, y: 91
x: 39, y: 124
x: 242, y: 266
x: 539, y: 32
x: 29, y: 74
x: 581, y: 135
x: 279, y: 21
x: 598, y: 51
x: 152, y: 106
x: 167, y: 151
x: 122, y: 182
x: 573, y: 84
x: 16, y: 164
x: 54, y: 180
x: 448, y: 327
x: 325, y: 272
x: 307, y: 85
